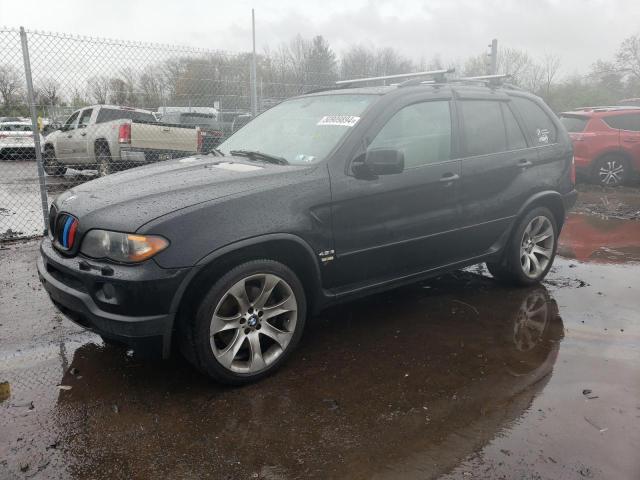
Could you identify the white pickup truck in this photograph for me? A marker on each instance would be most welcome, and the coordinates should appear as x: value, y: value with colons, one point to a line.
x: 110, y: 138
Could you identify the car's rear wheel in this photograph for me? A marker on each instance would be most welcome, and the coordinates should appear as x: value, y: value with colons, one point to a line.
x: 611, y: 170
x: 103, y: 160
x: 248, y: 323
x: 530, y: 251
x: 50, y: 163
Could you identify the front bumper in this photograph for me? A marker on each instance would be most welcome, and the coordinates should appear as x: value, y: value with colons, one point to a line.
x: 135, y: 305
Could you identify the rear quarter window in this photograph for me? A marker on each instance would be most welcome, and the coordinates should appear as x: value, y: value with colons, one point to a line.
x: 624, y: 122
x: 574, y: 124
x: 539, y: 125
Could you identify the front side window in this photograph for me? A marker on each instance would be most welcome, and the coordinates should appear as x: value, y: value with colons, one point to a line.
x: 539, y: 125
x: 85, y: 117
x: 422, y: 132
x: 302, y: 130
x: 70, y: 123
x: 484, y: 128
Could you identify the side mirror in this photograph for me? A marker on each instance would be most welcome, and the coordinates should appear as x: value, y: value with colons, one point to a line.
x: 379, y: 162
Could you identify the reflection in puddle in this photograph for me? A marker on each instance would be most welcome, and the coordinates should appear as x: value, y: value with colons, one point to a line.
x: 591, y: 238
x: 405, y: 382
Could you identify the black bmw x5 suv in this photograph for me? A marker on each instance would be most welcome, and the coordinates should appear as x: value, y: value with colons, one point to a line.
x: 323, y: 198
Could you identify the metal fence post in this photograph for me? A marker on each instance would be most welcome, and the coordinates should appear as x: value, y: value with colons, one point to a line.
x: 36, y: 130
x: 254, y: 79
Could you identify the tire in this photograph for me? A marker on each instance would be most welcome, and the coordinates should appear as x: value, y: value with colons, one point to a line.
x: 611, y: 170
x: 257, y: 313
x: 50, y: 163
x: 527, y: 261
x: 104, y: 163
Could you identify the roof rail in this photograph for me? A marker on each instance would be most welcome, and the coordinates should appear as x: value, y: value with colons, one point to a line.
x: 430, y: 73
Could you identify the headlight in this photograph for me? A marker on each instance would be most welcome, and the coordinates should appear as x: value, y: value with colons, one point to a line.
x: 121, y: 247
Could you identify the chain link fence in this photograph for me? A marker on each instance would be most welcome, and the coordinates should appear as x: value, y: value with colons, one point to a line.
x: 77, y: 108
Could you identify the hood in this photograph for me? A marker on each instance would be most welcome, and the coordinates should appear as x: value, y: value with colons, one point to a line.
x: 127, y: 200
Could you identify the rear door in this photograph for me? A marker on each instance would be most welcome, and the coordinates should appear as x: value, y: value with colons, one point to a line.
x: 495, y: 164
x: 629, y: 125
x: 392, y: 225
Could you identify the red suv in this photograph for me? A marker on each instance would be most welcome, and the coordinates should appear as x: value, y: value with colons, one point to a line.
x: 606, y: 142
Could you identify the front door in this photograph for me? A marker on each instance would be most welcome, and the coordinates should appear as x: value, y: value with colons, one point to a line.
x: 64, y: 142
x: 392, y: 225
x: 79, y: 144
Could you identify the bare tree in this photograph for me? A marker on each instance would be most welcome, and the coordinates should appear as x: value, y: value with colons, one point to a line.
x: 10, y: 85
x: 118, y: 92
x: 628, y: 56
x: 514, y: 62
x: 550, y: 68
x: 48, y: 91
x: 98, y: 88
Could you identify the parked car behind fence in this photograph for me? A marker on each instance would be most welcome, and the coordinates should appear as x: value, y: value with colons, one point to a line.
x: 606, y: 142
x: 110, y: 138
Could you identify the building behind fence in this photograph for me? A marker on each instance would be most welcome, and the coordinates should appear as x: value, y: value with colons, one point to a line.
x: 199, y: 96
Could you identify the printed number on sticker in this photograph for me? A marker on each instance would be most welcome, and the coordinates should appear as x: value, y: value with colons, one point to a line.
x: 339, y: 120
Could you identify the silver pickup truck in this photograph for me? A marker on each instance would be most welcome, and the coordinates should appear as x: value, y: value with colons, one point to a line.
x: 110, y: 138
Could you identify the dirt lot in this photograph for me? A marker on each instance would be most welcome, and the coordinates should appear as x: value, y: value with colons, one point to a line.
x: 457, y: 377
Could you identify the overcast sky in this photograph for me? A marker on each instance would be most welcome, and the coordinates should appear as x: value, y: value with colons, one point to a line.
x: 579, y: 31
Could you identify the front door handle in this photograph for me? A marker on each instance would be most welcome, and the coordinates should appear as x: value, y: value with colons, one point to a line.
x: 631, y: 140
x: 524, y: 163
x: 449, y: 177
x: 83, y: 134
x: 69, y: 136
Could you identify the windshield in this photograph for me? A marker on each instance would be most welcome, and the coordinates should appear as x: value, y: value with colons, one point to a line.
x: 303, y: 130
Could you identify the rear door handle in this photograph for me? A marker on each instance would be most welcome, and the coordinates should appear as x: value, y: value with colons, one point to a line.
x: 631, y: 140
x: 449, y: 177
x: 524, y: 163
x: 69, y: 136
x: 83, y: 134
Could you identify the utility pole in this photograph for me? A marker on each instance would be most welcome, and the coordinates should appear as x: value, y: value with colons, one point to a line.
x: 493, y: 68
x: 254, y: 82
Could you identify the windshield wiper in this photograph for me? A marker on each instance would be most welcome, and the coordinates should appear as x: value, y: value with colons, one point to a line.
x: 255, y: 155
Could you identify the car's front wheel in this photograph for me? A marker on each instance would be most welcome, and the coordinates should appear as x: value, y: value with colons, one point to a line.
x: 248, y: 323
x: 530, y: 251
x: 50, y: 163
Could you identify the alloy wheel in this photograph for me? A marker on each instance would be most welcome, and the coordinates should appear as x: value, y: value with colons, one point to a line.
x: 611, y: 172
x: 253, y: 323
x: 536, y: 247
x: 531, y: 322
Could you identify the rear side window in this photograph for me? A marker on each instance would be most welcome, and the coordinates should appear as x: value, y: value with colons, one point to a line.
x: 539, y: 125
x: 624, y: 122
x: 109, y: 114
x: 484, y: 129
x: 515, y: 137
x: 422, y: 132
x: 574, y: 124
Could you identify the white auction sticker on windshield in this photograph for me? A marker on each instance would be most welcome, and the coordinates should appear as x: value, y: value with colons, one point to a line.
x: 339, y: 120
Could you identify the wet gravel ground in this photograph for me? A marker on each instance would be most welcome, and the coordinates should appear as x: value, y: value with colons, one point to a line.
x: 457, y: 377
